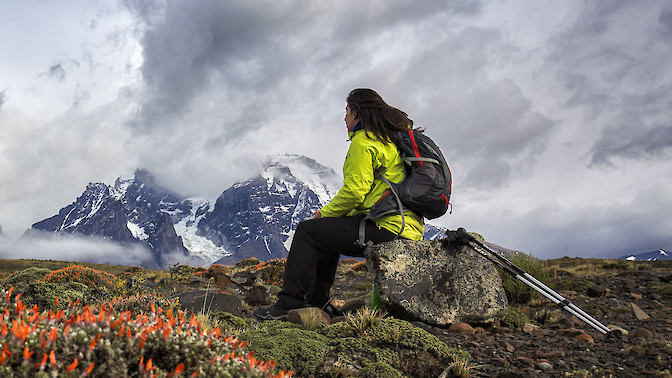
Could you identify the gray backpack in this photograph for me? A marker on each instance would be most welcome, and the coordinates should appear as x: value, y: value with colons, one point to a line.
x: 425, y: 190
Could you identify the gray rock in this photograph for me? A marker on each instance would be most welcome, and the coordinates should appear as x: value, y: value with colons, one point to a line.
x: 436, y: 283
x: 206, y: 301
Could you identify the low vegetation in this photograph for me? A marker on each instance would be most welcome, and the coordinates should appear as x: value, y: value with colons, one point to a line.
x: 76, y: 320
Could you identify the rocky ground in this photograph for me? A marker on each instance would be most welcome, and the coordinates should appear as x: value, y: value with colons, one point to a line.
x: 636, y: 299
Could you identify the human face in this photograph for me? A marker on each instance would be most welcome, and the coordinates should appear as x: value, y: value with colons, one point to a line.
x: 350, y: 118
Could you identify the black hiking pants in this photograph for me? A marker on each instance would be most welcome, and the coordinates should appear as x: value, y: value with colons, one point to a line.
x: 313, y: 257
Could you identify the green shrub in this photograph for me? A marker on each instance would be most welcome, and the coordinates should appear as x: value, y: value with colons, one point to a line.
x: 271, y: 272
x: 664, y: 290
x: 575, y: 284
x: 85, y: 275
x: 21, y: 279
x: 514, y: 319
x: 518, y: 292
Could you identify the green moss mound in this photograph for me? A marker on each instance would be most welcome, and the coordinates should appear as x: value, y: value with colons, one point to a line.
x: 292, y: 347
x: 391, y: 348
x: 514, y: 319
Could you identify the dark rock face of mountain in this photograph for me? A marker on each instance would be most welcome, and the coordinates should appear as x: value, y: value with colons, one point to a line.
x: 256, y: 217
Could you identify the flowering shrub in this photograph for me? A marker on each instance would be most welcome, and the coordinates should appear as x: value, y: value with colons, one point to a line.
x: 108, y: 341
x: 359, y: 267
x: 215, y: 269
x: 77, y: 273
x: 272, y: 272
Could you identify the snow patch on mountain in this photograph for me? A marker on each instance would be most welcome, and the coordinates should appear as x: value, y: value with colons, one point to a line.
x: 137, y: 231
x: 197, y: 245
x: 660, y: 254
x: 285, y: 171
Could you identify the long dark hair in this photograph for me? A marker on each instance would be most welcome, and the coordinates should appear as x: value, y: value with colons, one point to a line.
x: 376, y: 116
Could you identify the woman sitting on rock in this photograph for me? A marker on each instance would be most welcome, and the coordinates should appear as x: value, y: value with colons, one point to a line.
x: 334, y: 229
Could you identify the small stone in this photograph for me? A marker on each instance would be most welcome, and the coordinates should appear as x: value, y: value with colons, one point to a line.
x: 500, y: 330
x: 295, y: 316
x: 528, y: 327
x: 623, y: 331
x: 461, y: 328
x: 613, y: 302
x: 498, y: 361
x: 479, y: 329
x: 596, y: 291
x: 524, y: 360
x: 584, y: 337
x: 544, y: 366
x: 635, y: 296
x: 634, y: 351
x: 541, y: 332
x: 553, y: 354
x: 641, y: 333
x: 509, y: 348
x: 638, y: 312
x: 573, y: 332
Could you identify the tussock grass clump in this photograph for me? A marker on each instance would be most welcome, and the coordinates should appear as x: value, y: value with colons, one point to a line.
x: 516, y: 291
x: 461, y: 368
x: 310, y: 320
x: 364, y: 318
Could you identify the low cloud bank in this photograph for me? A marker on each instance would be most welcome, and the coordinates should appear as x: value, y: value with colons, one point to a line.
x: 77, y: 248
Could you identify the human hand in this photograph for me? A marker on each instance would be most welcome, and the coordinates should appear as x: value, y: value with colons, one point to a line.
x: 317, y: 215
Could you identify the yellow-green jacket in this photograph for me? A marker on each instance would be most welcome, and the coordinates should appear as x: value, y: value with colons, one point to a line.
x: 361, y: 189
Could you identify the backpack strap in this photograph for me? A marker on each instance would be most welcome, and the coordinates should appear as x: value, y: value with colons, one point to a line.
x: 379, y: 173
x: 428, y: 160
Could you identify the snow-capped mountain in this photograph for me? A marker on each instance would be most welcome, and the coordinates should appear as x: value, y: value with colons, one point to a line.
x: 660, y: 254
x: 133, y: 211
x: 257, y: 217
x: 253, y: 218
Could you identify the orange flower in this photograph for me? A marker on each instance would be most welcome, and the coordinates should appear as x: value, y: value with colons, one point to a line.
x: 27, y: 354
x: 52, y: 358
x: 88, y: 370
x: 72, y: 366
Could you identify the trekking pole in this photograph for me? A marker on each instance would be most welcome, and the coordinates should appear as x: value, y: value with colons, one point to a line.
x: 529, y: 280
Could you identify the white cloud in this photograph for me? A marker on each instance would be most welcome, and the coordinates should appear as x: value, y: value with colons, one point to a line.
x: 74, y: 248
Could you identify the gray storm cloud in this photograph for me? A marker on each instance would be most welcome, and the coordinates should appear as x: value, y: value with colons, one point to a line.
x: 618, y: 81
x: 554, y: 116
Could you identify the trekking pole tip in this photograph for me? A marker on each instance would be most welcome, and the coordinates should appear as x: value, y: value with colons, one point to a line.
x: 615, y: 334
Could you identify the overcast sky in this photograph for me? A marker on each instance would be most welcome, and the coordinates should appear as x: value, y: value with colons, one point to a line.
x: 555, y: 116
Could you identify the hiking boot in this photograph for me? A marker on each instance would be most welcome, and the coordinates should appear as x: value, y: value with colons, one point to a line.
x: 274, y: 312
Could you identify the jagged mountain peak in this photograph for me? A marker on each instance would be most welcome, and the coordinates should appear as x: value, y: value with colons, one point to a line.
x: 287, y: 170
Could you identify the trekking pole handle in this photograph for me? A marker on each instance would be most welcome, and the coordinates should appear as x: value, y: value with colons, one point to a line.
x: 464, y: 236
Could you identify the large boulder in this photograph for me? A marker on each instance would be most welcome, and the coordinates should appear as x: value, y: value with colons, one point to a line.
x: 436, y: 282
